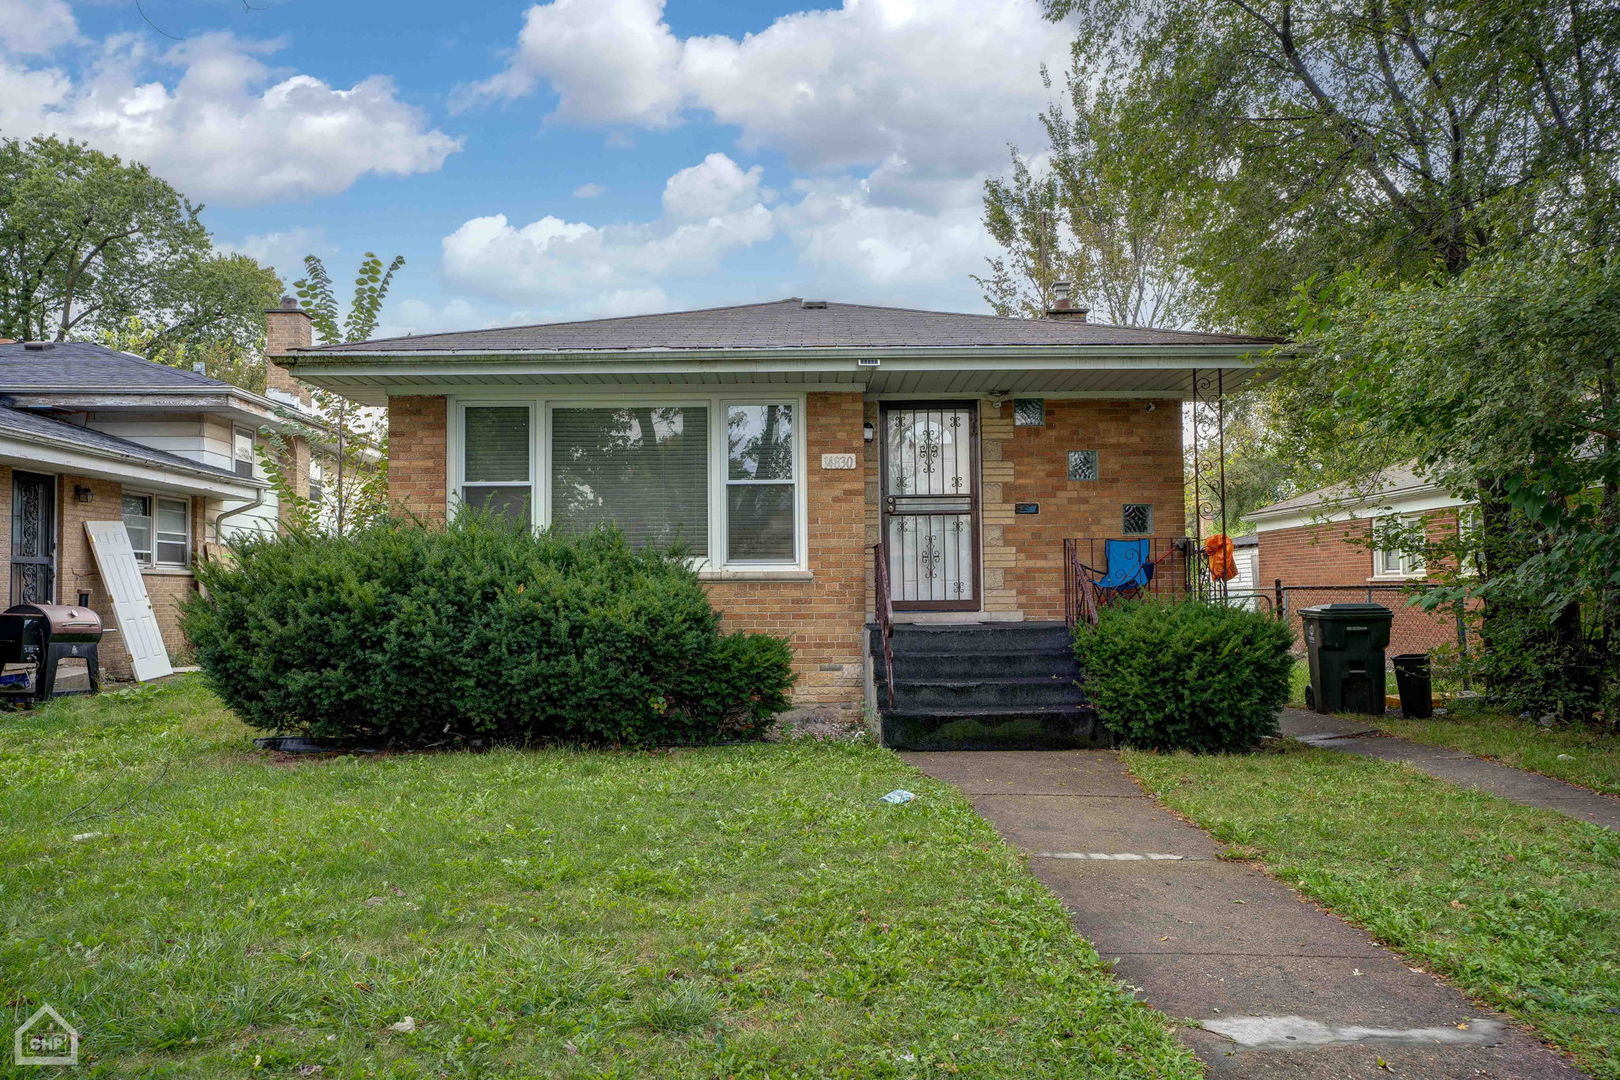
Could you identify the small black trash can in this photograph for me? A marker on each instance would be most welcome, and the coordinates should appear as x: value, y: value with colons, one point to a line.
x: 1345, y: 645
x: 1416, y: 687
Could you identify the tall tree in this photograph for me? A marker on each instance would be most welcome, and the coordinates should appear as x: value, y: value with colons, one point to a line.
x: 89, y: 242
x: 1075, y: 213
x: 1402, y: 136
x: 360, y: 485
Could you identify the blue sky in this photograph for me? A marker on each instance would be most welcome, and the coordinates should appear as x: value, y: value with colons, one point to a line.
x: 565, y: 159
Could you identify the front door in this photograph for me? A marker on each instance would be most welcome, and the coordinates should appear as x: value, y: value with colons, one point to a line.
x: 931, y: 504
x: 33, y: 538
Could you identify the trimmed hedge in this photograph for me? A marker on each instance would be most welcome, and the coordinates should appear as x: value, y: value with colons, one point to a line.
x: 409, y: 636
x: 1186, y: 676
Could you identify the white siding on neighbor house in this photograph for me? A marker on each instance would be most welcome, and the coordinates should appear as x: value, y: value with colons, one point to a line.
x: 181, y: 435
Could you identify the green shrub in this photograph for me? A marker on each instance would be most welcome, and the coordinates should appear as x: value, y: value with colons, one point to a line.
x: 409, y: 636
x: 1185, y: 676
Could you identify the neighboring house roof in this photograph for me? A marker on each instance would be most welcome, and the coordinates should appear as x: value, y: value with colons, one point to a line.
x: 19, y: 425
x: 1399, y: 487
x: 1248, y: 540
x: 80, y: 365
x: 785, y: 324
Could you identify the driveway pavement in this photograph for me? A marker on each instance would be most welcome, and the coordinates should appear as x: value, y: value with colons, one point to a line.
x: 1277, y: 986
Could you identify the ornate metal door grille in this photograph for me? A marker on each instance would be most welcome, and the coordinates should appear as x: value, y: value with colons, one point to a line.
x: 33, y: 538
x: 931, y: 505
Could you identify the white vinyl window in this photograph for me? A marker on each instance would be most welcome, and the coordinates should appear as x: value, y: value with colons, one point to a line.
x: 761, y: 493
x: 1393, y: 557
x: 722, y: 477
x: 497, y: 460
x: 159, y: 529
x: 243, y: 452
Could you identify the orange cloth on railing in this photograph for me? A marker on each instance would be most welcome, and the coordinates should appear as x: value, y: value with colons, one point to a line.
x: 1222, y: 557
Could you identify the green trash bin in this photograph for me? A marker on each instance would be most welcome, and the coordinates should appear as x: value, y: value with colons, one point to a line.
x: 1345, y: 645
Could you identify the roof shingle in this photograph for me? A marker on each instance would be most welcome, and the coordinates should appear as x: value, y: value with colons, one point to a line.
x: 26, y: 424
x: 788, y: 324
x: 81, y: 365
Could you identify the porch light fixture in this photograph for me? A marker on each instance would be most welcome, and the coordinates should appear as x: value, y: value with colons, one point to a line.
x: 868, y: 432
x: 83, y: 494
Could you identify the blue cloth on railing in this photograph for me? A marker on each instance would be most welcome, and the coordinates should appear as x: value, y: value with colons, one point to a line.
x: 1129, y: 566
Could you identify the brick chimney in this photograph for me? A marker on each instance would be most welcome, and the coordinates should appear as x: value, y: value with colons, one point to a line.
x: 286, y: 328
x: 1063, y: 305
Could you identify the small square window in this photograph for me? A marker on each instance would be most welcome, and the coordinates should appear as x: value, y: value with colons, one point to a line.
x: 1029, y: 412
x: 1082, y: 464
x: 1137, y: 519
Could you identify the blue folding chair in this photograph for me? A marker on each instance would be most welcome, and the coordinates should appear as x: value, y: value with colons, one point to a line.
x: 1130, y: 568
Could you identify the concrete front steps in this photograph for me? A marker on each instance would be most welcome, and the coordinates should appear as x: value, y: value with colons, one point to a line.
x: 984, y: 686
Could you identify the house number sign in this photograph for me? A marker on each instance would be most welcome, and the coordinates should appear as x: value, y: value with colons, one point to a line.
x: 837, y: 461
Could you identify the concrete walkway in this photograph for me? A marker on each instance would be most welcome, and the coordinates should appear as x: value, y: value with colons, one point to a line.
x: 1457, y: 766
x: 1281, y: 988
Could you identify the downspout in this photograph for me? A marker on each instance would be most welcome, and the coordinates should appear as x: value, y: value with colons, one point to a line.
x: 219, y: 519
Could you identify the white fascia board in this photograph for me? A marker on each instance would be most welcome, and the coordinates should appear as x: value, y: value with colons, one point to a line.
x: 1410, y: 501
x: 48, y: 455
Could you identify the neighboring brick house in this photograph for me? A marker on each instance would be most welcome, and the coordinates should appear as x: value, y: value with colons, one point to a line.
x: 782, y: 440
x: 1320, y: 547
x: 92, y: 434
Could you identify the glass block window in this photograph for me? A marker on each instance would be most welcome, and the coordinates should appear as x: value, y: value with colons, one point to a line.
x: 1082, y: 464
x: 1029, y: 412
x: 1137, y: 519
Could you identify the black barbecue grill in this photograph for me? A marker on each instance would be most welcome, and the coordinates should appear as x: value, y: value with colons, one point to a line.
x: 48, y: 649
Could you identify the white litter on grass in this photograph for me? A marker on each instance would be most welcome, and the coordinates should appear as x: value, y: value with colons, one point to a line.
x: 898, y: 795
x: 1295, y: 1032
x: 407, y: 1024
x: 87, y: 836
x: 1104, y: 856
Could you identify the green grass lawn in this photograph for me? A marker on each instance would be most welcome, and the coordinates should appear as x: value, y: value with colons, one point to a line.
x: 1518, y: 907
x: 200, y: 909
x: 1588, y: 758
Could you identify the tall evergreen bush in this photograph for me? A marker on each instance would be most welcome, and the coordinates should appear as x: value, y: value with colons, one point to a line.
x: 1185, y: 676
x: 411, y: 636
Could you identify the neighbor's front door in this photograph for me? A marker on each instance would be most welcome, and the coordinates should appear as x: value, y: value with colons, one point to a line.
x: 33, y: 538
x: 931, y: 504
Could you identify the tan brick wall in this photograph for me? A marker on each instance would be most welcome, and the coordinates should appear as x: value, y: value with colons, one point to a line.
x: 418, y: 458
x: 286, y: 329
x: 823, y: 618
x: 1336, y: 553
x: 1138, y: 461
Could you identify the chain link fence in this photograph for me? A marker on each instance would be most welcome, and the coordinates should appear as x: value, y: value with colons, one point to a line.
x: 1413, y: 630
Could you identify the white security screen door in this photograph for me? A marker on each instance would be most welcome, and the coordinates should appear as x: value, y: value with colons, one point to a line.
x: 137, y: 624
x: 931, y: 505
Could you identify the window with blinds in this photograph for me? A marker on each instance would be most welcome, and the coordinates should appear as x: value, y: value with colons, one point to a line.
x: 644, y: 468
x: 497, y: 460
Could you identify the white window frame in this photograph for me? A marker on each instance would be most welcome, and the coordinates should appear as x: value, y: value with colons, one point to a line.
x: 1407, y: 566
x: 253, y: 443
x: 540, y: 425
x: 458, y: 457
x: 151, y: 559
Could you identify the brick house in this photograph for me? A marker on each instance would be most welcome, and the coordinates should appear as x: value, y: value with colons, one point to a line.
x: 781, y: 441
x: 1322, y: 547
x: 88, y: 433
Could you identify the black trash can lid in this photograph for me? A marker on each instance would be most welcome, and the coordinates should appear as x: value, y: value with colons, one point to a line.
x: 1408, y: 657
x: 1348, y: 611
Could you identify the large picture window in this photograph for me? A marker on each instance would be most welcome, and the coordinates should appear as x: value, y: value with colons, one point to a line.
x: 497, y: 461
x: 722, y: 477
x: 643, y: 468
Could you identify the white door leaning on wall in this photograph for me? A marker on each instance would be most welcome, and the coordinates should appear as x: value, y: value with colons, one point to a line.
x: 137, y: 624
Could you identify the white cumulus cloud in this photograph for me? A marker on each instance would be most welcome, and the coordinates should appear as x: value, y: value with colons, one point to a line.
x: 36, y: 26
x: 552, y: 262
x: 215, y: 120
x: 939, y: 86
